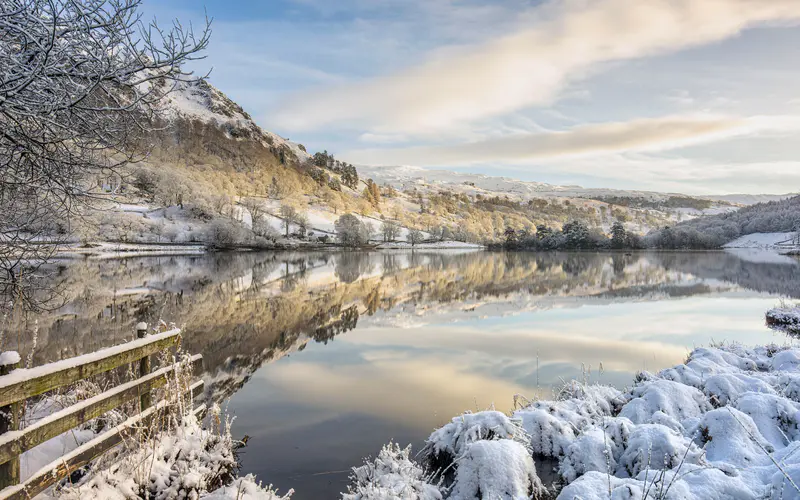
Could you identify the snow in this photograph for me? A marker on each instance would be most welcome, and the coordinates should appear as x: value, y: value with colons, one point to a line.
x: 749, y: 199
x: 246, y: 488
x: 725, y: 424
x: 9, y: 358
x: 471, y: 184
x: 181, y: 463
x: 108, y: 250
x: 454, y: 438
x: 202, y: 101
x: 762, y: 240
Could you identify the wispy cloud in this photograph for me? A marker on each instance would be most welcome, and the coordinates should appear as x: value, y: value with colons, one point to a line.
x: 566, y: 40
x: 649, y: 134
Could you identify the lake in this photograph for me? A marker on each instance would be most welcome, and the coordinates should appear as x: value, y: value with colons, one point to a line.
x: 324, y: 357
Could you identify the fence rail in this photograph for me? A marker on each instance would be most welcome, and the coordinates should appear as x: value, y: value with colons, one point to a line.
x: 25, y: 383
x: 17, y: 385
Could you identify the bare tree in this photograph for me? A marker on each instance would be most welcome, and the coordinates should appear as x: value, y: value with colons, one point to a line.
x: 289, y: 215
x: 390, y: 230
x: 255, y: 207
x: 414, y: 236
x: 81, y: 81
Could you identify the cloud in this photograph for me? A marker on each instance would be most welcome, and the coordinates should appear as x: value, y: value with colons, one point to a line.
x: 529, y: 67
x: 636, y: 135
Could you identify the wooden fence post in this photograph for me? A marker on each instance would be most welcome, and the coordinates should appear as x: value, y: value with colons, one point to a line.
x: 9, y: 421
x: 144, y: 367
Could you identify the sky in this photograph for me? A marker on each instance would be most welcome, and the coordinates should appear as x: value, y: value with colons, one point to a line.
x: 692, y: 96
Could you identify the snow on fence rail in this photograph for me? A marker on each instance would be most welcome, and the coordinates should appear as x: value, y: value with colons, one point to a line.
x: 17, y: 385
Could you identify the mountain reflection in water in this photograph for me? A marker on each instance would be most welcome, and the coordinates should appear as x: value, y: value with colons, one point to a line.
x: 323, y: 357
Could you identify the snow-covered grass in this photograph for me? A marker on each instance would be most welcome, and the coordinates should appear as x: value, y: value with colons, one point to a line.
x: 785, y: 317
x: 186, y: 460
x: 725, y: 424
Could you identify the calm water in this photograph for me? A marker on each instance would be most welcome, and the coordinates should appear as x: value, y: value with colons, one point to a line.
x: 325, y: 357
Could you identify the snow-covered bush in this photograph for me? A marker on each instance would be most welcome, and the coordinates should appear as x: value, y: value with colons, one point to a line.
x: 392, y: 475
x: 451, y: 441
x: 655, y: 446
x: 598, y: 449
x: 554, y: 425
x: 501, y: 469
x: 670, y: 398
x: 225, y: 233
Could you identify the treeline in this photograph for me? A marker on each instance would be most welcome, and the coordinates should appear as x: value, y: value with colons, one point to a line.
x: 702, y: 233
x: 575, y: 235
x: 656, y: 204
x: 715, y: 231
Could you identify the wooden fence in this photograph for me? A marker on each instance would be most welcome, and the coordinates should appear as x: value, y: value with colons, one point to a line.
x: 18, y: 385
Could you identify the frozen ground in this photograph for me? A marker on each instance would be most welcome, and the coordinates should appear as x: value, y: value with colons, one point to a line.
x: 726, y: 424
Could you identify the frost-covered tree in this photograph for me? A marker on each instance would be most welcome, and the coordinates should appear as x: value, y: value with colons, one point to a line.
x: 415, y: 236
x: 80, y: 80
x: 390, y: 230
x: 351, y: 231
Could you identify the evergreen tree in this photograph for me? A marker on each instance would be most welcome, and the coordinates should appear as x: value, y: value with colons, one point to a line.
x: 618, y: 235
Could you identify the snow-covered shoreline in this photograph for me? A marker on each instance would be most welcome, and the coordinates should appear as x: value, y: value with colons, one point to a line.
x: 113, y: 250
x: 726, y: 424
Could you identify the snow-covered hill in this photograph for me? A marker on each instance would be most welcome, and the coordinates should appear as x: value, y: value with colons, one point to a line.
x: 749, y: 199
x: 406, y: 177
x: 203, y: 102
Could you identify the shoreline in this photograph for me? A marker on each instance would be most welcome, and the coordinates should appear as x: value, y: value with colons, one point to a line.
x: 106, y: 249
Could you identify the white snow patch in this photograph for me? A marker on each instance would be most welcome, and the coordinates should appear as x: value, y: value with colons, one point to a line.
x: 763, y: 240
x: 9, y: 358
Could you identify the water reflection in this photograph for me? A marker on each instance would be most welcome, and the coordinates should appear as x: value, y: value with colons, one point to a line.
x: 324, y: 357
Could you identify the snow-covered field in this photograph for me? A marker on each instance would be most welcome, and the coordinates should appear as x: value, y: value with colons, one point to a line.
x: 726, y: 424
x: 764, y: 240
